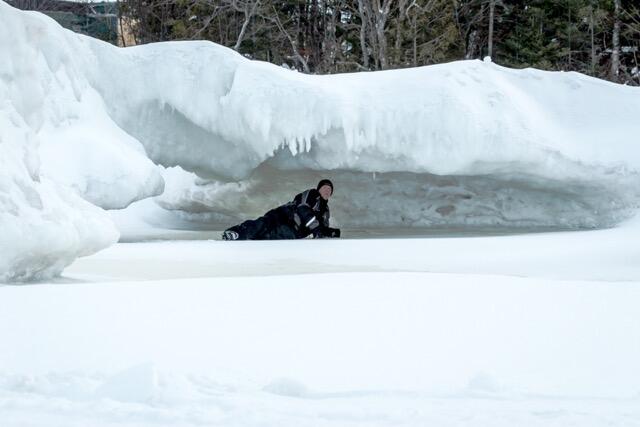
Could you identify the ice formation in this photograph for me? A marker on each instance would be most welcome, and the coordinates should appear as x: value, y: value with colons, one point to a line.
x: 44, y: 226
x: 43, y: 78
x: 465, y: 143
x: 228, y: 115
x: 54, y: 136
x: 404, y: 199
x: 459, y: 144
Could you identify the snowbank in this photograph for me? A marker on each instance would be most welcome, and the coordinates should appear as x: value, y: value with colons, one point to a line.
x: 229, y: 114
x: 43, y: 77
x: 56, y: 140
x: 465, y: 143
x: 44, y: 227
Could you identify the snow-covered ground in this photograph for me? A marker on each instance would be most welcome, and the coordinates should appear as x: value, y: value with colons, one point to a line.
x: 340, y: 349
x: 527, y: 330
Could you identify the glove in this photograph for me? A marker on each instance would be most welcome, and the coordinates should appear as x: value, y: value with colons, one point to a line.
x: 334, y: 232
x: 326, y: 232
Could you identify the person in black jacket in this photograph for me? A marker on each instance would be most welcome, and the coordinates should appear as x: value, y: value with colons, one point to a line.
x: 307, y: 214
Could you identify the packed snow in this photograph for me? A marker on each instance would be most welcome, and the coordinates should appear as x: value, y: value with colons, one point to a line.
x: 467, y: 143
x: 44, y: 227
x: 56, y: 141
x: 531, y: 330
x: 45, y: 89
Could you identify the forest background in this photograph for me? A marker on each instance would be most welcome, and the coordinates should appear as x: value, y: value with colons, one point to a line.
x: 598, y: 38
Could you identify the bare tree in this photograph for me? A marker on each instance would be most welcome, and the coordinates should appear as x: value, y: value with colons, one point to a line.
x: 330, y: 43
x: 381, y: 14
x: 293, y: 43
x: 469, y: 18
x: 492, y: 9
x: 249, y: 9
x: 374, y: 15
x: 615, y: 55
x: 593, y: 43
x: 364, y: 24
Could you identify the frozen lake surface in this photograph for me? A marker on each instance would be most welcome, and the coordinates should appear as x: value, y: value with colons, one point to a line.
x: 204, y: 233
x: 530, y: 330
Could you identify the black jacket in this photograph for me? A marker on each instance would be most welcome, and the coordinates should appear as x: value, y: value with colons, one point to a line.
x: 311, y: 215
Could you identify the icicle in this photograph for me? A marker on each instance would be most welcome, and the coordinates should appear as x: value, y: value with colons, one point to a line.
x: 293, y: 146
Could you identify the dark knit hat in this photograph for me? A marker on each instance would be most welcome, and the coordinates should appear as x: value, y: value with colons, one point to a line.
x: 325, y: 182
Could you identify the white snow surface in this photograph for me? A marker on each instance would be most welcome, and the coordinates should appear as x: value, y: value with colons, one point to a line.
x: 530, y: 330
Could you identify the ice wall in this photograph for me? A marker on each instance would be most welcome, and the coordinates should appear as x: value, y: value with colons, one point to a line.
x: 521, y: 147
x: 43, y: 80
x: 44, y: 226
x: 404, y: 200
x: 57, y: 143
x: 203, y: 106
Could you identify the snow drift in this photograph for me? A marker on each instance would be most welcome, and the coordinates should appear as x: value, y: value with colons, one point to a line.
x: 44, y: 227
x: 43, y: 78
x: 459, y: 144
x: 465, y: 143
x: 56, y: 141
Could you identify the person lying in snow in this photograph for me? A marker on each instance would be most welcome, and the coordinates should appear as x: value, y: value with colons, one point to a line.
x: 307, y: 214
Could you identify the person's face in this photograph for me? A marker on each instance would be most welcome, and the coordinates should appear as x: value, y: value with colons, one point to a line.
x: 325, y: 192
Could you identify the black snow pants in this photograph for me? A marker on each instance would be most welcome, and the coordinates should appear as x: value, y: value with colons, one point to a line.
x: 276, y: 224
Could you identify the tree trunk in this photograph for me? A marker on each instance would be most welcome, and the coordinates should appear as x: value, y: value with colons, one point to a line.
x: 248, y: 14
x: 329, y: 42
x: 402, y: 14
x: 363, y: 34
x: 382, y: 45
x: 292, y: 42
x: 381, y: 15
x: 569, y: 35
x: 471, y: 45
x: 615, y: 56
x: 415, y: 41
x: 593, y: 44
x: 492, y: 8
